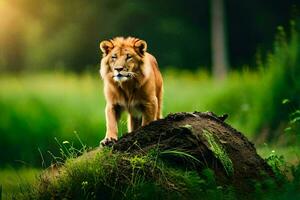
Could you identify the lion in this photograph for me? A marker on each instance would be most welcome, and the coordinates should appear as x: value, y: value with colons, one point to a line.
x: 132, y: 83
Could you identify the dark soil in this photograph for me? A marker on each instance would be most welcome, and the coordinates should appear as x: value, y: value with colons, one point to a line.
x: 184, y: 132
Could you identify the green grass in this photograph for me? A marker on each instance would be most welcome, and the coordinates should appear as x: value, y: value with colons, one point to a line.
x: 89, y: 170
x: 12, y: 180
x: 107, y: 175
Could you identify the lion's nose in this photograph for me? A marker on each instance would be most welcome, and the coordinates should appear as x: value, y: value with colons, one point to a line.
x: 119, y: 68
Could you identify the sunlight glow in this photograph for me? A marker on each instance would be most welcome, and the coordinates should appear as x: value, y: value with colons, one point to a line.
x: 6, y: 14
x: 9, y: 16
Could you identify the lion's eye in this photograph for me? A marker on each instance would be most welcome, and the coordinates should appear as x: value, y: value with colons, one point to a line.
x: 128, y: 56
x: 114, y: 57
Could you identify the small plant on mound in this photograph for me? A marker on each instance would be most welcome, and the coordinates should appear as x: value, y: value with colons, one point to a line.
x: 277, y: 163
x: 219, y: 152
x: 287, y: 184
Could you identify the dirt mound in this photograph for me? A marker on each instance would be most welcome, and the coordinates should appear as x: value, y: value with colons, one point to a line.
x: 208, y: 139
x: 167, y: 159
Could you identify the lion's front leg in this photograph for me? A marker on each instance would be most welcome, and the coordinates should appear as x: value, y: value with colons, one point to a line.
x: 150, y: 112
x: 112, y: 115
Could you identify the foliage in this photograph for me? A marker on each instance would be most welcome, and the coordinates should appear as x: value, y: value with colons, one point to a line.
x: 256, y: 103
x: 40, y: 34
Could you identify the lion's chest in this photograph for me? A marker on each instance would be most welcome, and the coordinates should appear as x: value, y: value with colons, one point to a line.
x: 133, y: 107
x: 131, y: 102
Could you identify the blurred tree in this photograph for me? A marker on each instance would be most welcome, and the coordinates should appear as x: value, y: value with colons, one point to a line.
x: 218, y: 40
x: 252, y: 25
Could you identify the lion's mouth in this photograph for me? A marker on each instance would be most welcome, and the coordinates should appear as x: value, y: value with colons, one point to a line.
x: 121, y: 77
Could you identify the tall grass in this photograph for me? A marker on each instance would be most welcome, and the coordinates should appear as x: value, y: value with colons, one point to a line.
x: 37, y: 108
x: 11, y: 180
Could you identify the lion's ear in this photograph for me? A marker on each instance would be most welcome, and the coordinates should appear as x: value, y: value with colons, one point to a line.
x: 140, y: 47
x: 106, y: 46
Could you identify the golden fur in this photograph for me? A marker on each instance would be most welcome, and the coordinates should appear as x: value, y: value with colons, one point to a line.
x: 132, y: 82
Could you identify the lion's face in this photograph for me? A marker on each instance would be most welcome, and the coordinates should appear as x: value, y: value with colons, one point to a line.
x: 124, y: 63
x: 122, y: 58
